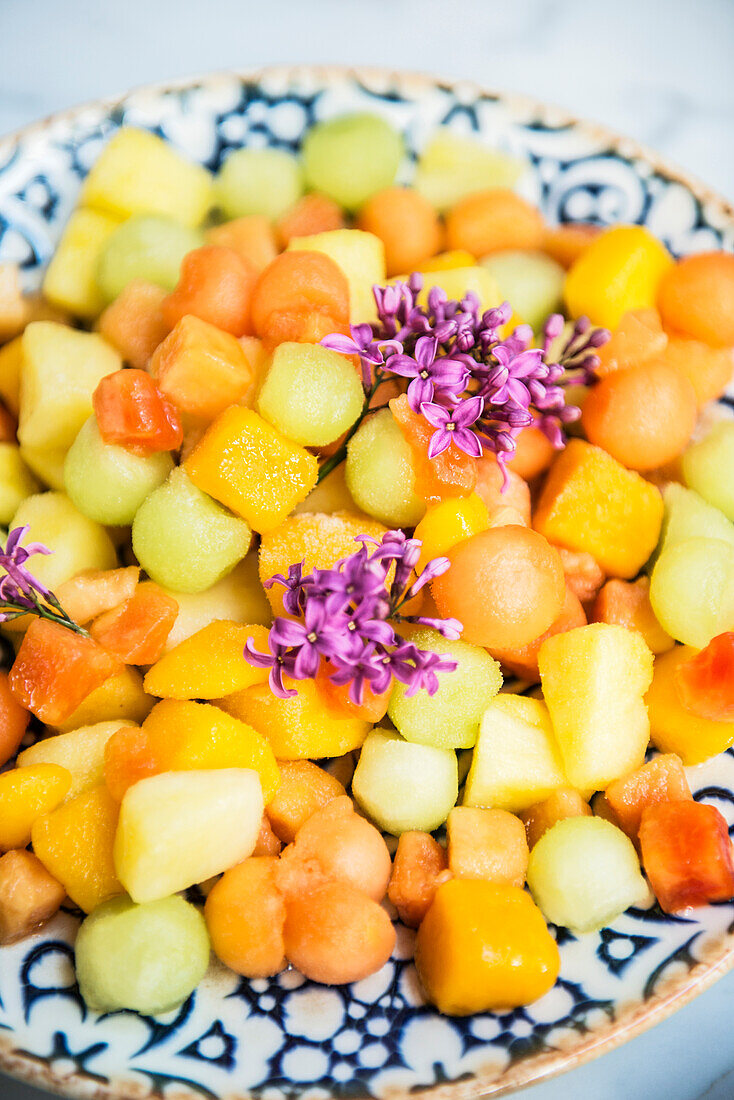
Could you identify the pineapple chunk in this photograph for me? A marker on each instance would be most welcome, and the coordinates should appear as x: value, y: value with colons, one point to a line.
x: 77, y: 543
x: 61, y: 370
x: 180, y: 828
x: 516, y: 760
x: 456, y: 282
x: 16, y: 481
x: 360, y: 255
x: 81, y: 752
x: 140, y: 173
x: 70, y: 280
x: 594, y: 679
x: 48, y: 466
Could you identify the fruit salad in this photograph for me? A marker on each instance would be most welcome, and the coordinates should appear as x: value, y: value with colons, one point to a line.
x: 368, y: 557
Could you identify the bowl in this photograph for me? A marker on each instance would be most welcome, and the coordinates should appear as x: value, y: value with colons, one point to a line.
x: 377, y: 1038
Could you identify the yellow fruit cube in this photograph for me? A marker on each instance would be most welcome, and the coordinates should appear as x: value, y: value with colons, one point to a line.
x: 61, y: 370
x: 361, y: 256
x: 238, y: 597
x: 594, y: 679
x: 209, y: 664
x: 14, y: 309
x: 75, y: 844
x: 11, y: 364
x: 48, y: 466
x: 140, y: 173
x: 457, y: 281
x: 620, y: 270
x: 16, y: 481
x: 120, y: 699
x: 78, y: 543
x: 247, y: 465
x: 673, y: 728
x: 80, y: 752
x: 70, y: 280
x: 449, y: 523
x: 591, y: 503
x: 300, y: 727
x: 25, y: 794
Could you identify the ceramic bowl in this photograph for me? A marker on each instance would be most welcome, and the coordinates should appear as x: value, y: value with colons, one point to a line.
x: 377, y: 1038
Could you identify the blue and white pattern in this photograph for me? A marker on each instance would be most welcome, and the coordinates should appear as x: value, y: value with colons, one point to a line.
x: 376, y: 1038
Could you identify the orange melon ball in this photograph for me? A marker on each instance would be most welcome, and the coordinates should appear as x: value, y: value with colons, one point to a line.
x: 505, y: 585
x: 407, y: 225
x: 245, y: 915
x: 347, y: 848
x: 494, y: 221
x: 696, y: 298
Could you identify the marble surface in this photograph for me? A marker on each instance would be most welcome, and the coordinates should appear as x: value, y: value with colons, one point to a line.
x: 658, y: 71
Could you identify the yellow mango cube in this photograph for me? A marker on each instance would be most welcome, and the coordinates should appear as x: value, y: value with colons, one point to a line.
x: 75, y: 842
x: 619, y: 271
x: 80, y: 752
x: 673, y: 728
x: 140, y: 173
x: 247, y: 465
x: 591, y: 503
x: 25, y: 794
x: 209, y: 664
x: 121, y: 699
x: 70, y: 281
x: 360, y: 255
x: 447, y: 524
x: 11, y: 365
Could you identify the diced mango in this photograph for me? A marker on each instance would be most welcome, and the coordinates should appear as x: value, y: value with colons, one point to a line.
x: 542, y: 816
x: 209, y: 664
x: 70, y: 280
x: 662, y: 779
x: 14, y: 312
x: 628, y: 604
x: 673, y: 728
x: 487, y: 844
x: 29, y: 895
x: 120, y: 698
x: 448, y: 523
x: 80, y: 752
x: 25, y: 794
x: 304, y: 789
x: 360, y: 255
x: 419, y: 868
x: 247, y: 465
x: 590, y: 502
x: 11, y: 366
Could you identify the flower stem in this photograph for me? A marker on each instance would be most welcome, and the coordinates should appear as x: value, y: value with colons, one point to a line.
x: 339, y: 455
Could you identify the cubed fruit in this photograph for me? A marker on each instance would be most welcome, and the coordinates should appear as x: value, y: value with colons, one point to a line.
x: 361, y: 256
x: 237, y: 597
x: 61, y: 370
x: 258, y: 181
x: 351, y: 157
x: 55, y: 669
x: 74, y: 843
x: 183, y: 539
x: 181, y: 828
x: 134, y: 322
x: 516, y: 760
x: 132, y: 412
x: 674, y: 728
x: 304, y: 789
x: 246, y: 464
x: 590, y: 502
x: 450, y: 474
x: 584, y: 872
x: 25, y: 794
x: 452, y: 166
x: 687, y: 854
x: 706, y: 682
x: 80, y: 752
x: 487, y: 844
x: 120, y: 698
x: 531, y: 281
x: 13, y: 721
x: 13, y: 309
x: 662, y: 779
x: 484, y: 947
x: 16, y: 481
x: 405, y: 786
x: 300, y: 727
x: 48, y: 466
x: 329, y: 496
x: 29, y: 895
x: 380, y: 473
x: 11, y: 366
x: 143, y: 958
x: 637, y: 339
x: 692, y: 590
x: 689, y: 516
x: 136, y: 630
x: 620, y: 270
x: 628, y: 604
x: 245, y: 915
x: 594, y: 679
x: 71, y: 277
x: 448, y: 523
x: 448, y: 719
x: 128, y: 758
x: 252, y: 237
x: 542, y: 816
x: 77, y: 542
x: 419, y: 867
x: 457, y: 282
x: 138, y: 172
x: 705, y: 466
x: 310, y: 394
x: 209, y: 664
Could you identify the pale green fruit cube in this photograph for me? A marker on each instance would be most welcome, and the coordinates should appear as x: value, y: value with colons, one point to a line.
x: 380, y: 474
x: 310, y: 394
x: 77, y: 542
x: 688, y: 516
x: 361, y: 256
x: 708, y: 467
x: 352, y: 157
x: 258, y: 181
x: 109, y: 483
x: 516, y: 760
x: 594, y: 679
x: 145, y: 958
x: 61, y: 370
x: 692, y: 590
x: 16, y: 481
x: 81, y: 752
x: 183, y: 539
x: 180, y: 828
x: 584, y: 872
x: 450, y: 718
x: 145, y: 247
x: 452, y: 166
x: 239, y: 597
x: 402, y: 785
x: 530, y: 281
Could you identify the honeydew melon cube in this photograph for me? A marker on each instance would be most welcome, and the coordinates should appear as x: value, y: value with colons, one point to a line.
x: 16, y: 481
x: 144, y: 247
x: 594, y: 679
x: 61, y: 370
x: 77, y: 542
x: 351, y: 157
x: 516, y: 760
x: 310, y: 394
x: 688, y: 516
x: 71, y: 276
x: 360, y: 255
x: 584, y: 872
x: 47, y: 465
x: 531, y: 281
x: 708, y: 467
x: 140, y: 173
x: 379, y: 472
x: 402, y: 785
x: 180, y: 828
x: 81, y: 752
x: 450, y: 718
x: 692, y: 590
x: 258, y: 181
x: 238, y: 597
x: 452, y: 166
x: 145, y: 958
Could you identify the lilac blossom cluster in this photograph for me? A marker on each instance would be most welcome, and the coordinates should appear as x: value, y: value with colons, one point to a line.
x: 476, y: 388
x: 20, y: 592
x: 346, y: 616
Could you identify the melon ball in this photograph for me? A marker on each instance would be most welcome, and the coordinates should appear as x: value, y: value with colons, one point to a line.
x: 351, y: 157
x: 310, y: 394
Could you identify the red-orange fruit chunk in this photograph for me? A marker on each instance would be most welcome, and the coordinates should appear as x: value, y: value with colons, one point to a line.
x: 662, y: 779
x: 137, y: 630
x: 419, y: 868
x: 687, y: 856
x: 132, y: 412
x: 705, y: 683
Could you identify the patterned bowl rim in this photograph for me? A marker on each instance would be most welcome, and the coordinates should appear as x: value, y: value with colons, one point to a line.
x: 676, y: 991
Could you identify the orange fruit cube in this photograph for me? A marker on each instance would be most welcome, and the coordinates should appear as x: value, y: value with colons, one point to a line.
x: 95, y: 591
x: 134, y: 322
x: 419, y: 867
x: 628, y: 604
x: 132, y: 412
x: 487, y: 844
x: 128, y: 758
x: 687, y: 854
x: 637, y: 339
x: 304, y: 789
x: 25, y: 794
x: 137, y: 630
x: 29, y: 895
x: 209, y: 664
x: 542, y: 816
x: 13, y: 721
x: 662, y: 779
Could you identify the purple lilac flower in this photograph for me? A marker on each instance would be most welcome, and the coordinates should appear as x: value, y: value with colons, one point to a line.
x: 427, y: 372
x: 22, y: 593
x: 453, y: 425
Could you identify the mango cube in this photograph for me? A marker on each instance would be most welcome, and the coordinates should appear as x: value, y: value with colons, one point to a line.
x: 209, y: 664
x: 590, y: 502
x: 11, y: 365
x: 247, y: 465
x: 360, y: 255
x: 594, y: 679
x: 487, y: 844
x: 80, y: 752
x: 70, y: 281
x: 673, y: 728
x: 25, y: 794
x: 29, y: 895
x: 140, y: 173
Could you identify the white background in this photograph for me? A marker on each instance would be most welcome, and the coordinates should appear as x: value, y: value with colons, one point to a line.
x: 661, y: 71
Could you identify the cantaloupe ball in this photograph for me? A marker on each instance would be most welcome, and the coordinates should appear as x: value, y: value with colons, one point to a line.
x: 310, y: 394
